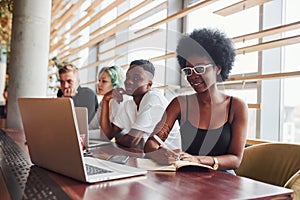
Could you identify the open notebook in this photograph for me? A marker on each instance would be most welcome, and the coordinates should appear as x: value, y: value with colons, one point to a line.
x: 179, y: 165
x: 53, y: 139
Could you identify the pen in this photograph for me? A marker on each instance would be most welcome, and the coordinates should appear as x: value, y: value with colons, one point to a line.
x: 165, y: 146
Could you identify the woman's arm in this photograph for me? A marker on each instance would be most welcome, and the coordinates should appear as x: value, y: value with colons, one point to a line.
x: 164, y: 126
x: 109, y: 129
x: 131, y: 139
x: 239, y: 125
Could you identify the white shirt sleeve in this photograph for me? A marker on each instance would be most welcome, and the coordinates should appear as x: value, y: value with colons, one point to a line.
x: 116, y: 108
x: 125, y: 115
x: 145, y: 119
x: 150, y: 112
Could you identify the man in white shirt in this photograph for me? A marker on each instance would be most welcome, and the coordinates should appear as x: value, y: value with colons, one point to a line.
x: 134, y: 124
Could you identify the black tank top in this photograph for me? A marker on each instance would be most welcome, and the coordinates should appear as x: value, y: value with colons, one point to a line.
x: 212, y: 142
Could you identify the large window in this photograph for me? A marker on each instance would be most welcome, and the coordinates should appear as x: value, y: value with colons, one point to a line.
x: 122, y: 34
x: 278, y: 116
x: 138, y: 44
x: 291, y: 102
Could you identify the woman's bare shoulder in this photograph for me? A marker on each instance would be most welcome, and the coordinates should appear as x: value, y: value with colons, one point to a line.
x: 238, y: 104
x: 177, y: 102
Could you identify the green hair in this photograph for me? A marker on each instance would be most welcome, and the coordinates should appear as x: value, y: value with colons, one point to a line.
x: 116, y: 74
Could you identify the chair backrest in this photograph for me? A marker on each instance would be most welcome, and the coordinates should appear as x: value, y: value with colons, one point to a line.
x: 294, y: 183
x: 272, y: 163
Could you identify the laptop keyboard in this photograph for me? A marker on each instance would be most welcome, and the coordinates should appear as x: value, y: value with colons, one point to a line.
x: 24, y: 180
x: 92, y: 170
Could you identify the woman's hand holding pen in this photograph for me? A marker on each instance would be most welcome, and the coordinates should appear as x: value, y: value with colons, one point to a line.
x: 164, y: 155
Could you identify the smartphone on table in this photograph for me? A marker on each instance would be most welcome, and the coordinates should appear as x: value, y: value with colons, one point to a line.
x: 120, y: 159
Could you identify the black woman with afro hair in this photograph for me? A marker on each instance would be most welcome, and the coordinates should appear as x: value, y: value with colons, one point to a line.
x: 213, y: 125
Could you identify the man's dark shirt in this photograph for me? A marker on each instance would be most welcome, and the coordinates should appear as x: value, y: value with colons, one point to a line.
x: 85, y: 97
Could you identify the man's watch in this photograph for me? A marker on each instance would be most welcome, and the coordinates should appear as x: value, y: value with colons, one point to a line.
x: 216, y: 163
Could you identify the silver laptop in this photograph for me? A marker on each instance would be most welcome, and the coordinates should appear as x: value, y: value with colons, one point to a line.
x: 53, y: 140
x: 83, y: 126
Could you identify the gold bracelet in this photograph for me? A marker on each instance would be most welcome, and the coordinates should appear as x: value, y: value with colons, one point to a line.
x: 163, y: 131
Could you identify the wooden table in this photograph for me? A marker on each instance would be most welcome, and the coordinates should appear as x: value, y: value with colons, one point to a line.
x: 156, y: 185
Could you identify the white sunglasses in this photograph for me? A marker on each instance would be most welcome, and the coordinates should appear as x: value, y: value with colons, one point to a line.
x: 197, y: 69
